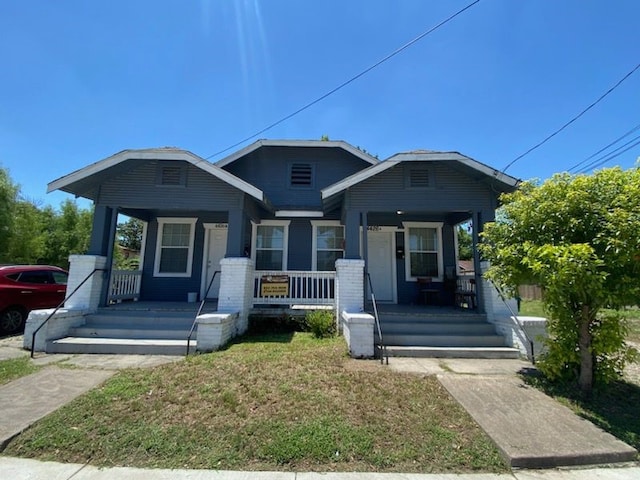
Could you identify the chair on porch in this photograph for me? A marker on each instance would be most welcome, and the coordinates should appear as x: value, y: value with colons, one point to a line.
x: 466, y: 293
x: 428, y: 293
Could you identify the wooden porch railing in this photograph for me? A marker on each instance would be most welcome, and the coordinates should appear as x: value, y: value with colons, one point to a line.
x: 294, y: 287
x: 125, y: 285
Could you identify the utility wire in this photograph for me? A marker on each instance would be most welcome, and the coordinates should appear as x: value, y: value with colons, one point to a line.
x: 575, y: 167
x: 611, y: 155
x: 351, y: 80
x: 539, y: 144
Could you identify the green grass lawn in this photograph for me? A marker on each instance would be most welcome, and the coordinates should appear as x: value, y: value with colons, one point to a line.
x: 279, y: 402
x: 16, y: 368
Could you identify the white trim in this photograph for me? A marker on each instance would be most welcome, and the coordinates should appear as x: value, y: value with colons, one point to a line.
x: 297, y: 143
x: 299, y: 213
x: 180, y: 220
x: 314, y: 240
x: 205, y: 251
x: 285, y: 240
x: 156, y: 154
x: 407, y: 251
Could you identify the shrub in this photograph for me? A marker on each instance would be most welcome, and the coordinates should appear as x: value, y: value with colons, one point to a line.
x: 321, y: 323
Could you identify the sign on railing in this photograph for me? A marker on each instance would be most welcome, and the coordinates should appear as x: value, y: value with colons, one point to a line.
x: 125, y: 285
x: 294, y: 288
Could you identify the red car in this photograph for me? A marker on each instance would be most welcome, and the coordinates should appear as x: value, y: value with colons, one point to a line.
x: 28, y: 287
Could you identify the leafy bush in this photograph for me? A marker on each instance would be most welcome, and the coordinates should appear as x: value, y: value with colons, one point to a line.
x: 321, y: 323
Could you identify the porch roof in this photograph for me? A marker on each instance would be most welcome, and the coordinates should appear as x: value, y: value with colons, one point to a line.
x: 77, y: 182
x: 298, y: 143
x: 498, y: 180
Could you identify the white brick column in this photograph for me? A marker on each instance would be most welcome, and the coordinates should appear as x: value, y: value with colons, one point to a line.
x: 349, y: 286
x: 236, y: 290
x: 88, y: 297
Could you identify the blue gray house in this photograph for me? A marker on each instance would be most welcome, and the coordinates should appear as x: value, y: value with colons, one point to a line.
x: 288, y: 224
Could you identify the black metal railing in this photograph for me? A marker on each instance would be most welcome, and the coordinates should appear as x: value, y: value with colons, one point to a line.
x: 383, y: 348
x: 55, y: 310
x: 517, y: 320
x: 202, y: 302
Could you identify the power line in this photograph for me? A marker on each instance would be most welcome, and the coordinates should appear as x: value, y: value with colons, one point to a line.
x: 611, y: 155
x: 572, y: 120
x: 604, y: 148
x: 351, y: 80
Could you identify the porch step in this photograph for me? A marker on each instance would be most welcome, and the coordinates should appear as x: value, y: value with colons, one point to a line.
x: 139, y: 332
x: 130, y: 346
x: 453, y: 352
x: 440, y: 328
x: 444, y: 340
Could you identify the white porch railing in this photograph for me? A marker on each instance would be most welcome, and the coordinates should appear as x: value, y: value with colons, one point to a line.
x: 294, y: 288
x: 125, y: 285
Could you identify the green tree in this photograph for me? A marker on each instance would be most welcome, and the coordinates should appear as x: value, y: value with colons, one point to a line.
x: 8, y: 198
x: 28, y: 234
x: 465, y: 244
x: 69, y: 232
x: 578, y: 237
x: 129, y: 234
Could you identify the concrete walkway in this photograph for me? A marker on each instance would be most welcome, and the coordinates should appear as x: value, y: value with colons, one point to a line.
x: 530, y: 429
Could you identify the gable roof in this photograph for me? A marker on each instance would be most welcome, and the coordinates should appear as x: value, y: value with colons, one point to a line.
x: 70, y: 182
x: 501, y: 180
x: 298, y: 143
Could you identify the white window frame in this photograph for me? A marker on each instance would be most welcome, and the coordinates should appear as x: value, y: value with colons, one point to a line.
x: 162, y: 221
x: 285, y: 240
x: 314, y: 241
x: 407, y: 251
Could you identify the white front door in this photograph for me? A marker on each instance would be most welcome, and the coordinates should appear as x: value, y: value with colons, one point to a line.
x: 381, y: 246
x: 214, y: 251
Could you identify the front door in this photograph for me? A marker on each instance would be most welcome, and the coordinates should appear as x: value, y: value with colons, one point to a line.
x: 380, y: 264
x: 215, y: 250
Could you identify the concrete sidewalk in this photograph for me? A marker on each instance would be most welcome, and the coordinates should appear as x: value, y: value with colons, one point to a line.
x: 25, y: 469
x: 531, y: 429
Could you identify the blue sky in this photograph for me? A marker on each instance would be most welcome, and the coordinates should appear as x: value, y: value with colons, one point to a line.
x: 85, y: 79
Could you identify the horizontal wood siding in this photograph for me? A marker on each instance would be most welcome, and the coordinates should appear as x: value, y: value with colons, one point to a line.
x: 300, y: 242
x: 268, y: 169
x: 451, y: 191
x: 137, y: 189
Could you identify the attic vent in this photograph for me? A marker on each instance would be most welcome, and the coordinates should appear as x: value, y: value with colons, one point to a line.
x: 419, y: 178
x: 301, y: 175
x: 171, y: 176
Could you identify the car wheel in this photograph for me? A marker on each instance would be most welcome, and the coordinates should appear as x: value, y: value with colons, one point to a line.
x: 12, y: 320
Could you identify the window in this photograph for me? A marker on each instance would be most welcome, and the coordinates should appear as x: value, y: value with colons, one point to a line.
x: 301, y: 175
x: 174, y: 247
x: 328, y: 244
x: 34, y: 276
x: 423, y: 244
x: 270, y: 245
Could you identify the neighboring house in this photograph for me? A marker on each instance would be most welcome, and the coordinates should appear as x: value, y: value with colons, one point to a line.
x: 290, y: 206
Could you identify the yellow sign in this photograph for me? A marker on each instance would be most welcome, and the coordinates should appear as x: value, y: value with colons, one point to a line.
x: 274, y: 286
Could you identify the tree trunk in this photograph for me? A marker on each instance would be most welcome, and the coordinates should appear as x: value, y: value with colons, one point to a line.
x: 586, y: 358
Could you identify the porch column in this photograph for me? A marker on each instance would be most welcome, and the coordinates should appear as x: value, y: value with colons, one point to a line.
x: 350, y: 285
x: 102, y: 219
x: 236, y: 233
x: 475, y: 237
x: 352, y: 234
x: 89, y: 295
x: 236, y: 290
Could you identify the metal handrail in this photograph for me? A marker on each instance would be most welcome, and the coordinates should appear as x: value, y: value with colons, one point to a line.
x: 202, y: 302
x: 517, y: 320
x: 383, y: 347
x: 60, y: 305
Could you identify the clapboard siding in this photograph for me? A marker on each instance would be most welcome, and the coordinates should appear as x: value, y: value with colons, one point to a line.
x: 137, y: 189
x: 268, y: 169
x: 451, y: 191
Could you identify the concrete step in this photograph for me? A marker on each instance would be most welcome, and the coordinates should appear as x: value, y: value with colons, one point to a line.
x: 452, y: 352
x: 140, y: 346
x: 445, y: 317
x: 473, y: 328
x: 151, y: 319
x: 444, y: 340
x: 118, y: 331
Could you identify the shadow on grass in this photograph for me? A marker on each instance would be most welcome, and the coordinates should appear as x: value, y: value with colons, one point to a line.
x: 613, y: 407
x: 264, y: 337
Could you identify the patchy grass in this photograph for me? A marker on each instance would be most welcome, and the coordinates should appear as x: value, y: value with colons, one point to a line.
x: 278, y: 402
x: 16, y: 368
x: 613, y: 407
